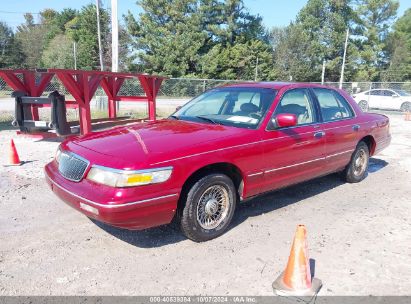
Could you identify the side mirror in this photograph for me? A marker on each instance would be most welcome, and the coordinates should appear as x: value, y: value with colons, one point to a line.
x: 395, y: 96
x: 284, y: 120
x: 178, y: 108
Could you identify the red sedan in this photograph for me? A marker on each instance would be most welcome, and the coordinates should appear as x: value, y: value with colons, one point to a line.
x: 223, y: 147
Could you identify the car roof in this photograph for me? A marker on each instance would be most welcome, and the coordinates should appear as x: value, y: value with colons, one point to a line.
x: 276, y: 85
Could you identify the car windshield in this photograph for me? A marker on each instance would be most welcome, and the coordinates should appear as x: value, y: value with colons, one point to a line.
x: 233, y: 106
x: 403, y: 93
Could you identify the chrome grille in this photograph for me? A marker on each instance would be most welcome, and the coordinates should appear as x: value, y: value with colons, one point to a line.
x: 72, y: 166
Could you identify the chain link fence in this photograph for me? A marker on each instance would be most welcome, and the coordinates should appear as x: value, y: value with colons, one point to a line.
x: 173, y: 92
x: 353, y: 88
x: 173, y: 87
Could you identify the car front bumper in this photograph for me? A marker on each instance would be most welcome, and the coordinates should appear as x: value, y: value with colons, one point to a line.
x: 131, y: 214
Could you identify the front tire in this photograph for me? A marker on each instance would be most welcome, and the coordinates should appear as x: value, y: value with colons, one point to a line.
x: 209, y: 208
x: 357, y: 169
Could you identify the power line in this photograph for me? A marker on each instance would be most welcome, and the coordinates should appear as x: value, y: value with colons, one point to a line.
x: 8, y: 12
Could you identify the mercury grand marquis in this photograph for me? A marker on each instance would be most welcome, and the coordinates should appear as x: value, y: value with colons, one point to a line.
x: 225, y: 146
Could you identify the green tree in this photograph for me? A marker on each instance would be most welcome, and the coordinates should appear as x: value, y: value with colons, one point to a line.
x: 318, y: 34
x: 292, y: 62
x: 168, y: 36
x: 32, y: 38
x: 64, y: 17
x: 239, y: 61
x: 235, y: 21
x: 83, y: 30
x: 374, y: 20
x: 172, y: 37
x: 399, y: 49
x: 125, y: 57
x: 47, y: 17
x: 11, y: 55
x: 59, y: 53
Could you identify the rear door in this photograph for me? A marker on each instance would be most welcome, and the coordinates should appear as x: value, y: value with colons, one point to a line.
x: 374, y: 99
x: 393, y: 100
x: 341, y: 131
x: 294, y: 154
x: 385, y: 100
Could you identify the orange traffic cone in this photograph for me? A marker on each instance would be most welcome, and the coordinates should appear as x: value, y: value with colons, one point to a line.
x: 296, y: 279
x: 407, y: 116
x: 14, y: 159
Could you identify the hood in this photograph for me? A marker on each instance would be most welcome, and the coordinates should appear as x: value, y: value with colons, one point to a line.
x: 157, y: 141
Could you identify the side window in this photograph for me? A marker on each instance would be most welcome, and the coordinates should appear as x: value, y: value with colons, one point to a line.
x: 376, y: 92
x: 297, y: 102
x: 388, y: 93
x: 333, y: 106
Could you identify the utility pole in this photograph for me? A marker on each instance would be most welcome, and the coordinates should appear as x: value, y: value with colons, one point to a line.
x: 73, y: 36
x: 100, y: 51
x: 75, y: 54
x: 323, y: 73
x: 343, y: 63
x: 114, y: 36
x: 256, y: 70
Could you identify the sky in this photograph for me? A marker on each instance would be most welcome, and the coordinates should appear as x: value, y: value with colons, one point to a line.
x: 274, y: 12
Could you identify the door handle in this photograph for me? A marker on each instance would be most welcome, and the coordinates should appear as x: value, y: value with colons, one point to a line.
x: 355, y: 127
x: 319, y: 134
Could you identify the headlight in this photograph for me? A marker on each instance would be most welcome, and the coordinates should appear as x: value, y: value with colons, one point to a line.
x: 58, y: 154
x: 124, y: 178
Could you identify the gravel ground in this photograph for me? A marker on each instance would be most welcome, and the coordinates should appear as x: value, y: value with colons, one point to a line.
x: 358, y: 234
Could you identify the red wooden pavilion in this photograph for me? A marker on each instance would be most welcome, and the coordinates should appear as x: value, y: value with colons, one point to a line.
x: 82, y: 85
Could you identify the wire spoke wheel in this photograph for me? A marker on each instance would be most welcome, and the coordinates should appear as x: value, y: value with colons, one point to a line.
x: 360, y: 162
x: 213, y: 207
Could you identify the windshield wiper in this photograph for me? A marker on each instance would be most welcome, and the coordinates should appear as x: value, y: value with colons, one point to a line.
x: 175, y: 117
x: 207, y: 119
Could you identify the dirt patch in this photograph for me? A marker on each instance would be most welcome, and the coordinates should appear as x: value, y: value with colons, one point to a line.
x: 358, y: 234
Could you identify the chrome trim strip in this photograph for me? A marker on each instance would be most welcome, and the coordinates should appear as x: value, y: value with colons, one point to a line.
x: 340, y: 153
x: 132, y: 171
x: 74, y: 155
x: 255, y: 174
x: 307, y: 162
x: 294, y: 165
x: 109, y: 206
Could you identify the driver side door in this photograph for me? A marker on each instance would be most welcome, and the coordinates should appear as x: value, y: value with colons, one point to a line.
x: 297, y: 153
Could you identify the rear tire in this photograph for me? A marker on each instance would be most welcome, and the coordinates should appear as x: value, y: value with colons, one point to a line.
x: 357, y: 169
x: 209, y: 208
x: 406, y: 107
x: 363, y: 105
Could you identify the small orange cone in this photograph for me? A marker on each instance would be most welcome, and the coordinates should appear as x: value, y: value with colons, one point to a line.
x: 407, y: 116
x: 296, y: 278
x: 14, y: 159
